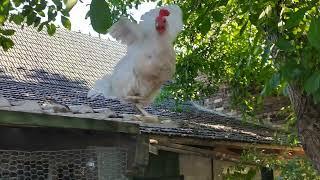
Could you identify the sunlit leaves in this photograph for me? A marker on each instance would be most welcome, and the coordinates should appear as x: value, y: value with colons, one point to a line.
x: 51, y: 29
x: 7, y: 32
x: 31, y: 18
x: 36, y: 13
x: 17, y: 3
x: 66, y: 22
x: 17, y: 18
x: 295, y: 18
x: 6, y: 43
x: 70, y: 4
x: 100, y: 16
x: 265, y: 12
x: 4, y: 10
x: 41, y: 6
x: 5, y: 40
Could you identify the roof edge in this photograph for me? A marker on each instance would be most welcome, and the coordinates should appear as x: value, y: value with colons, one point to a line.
x: 30, y: 119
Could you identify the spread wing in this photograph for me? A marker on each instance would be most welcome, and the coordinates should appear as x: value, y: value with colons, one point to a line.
x: 126, y: 31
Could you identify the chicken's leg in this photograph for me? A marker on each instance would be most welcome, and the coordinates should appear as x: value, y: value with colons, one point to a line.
x: 146, y: 116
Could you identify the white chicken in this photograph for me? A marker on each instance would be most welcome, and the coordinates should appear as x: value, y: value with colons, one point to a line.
x: 150, y: 59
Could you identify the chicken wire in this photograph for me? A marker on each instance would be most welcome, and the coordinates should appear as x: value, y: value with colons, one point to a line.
x: 85, y: 164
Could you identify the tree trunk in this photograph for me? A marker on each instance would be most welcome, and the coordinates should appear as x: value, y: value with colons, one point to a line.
x: 308, y: 116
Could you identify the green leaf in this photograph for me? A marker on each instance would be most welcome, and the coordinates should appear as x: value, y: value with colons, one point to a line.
x: 40, y: 7
x: 6, y: 43
x: 100, y: 16
x: 33, y: 2
x: 7, y: 32
x: 31, y: 18
x: 66, y: 22
x: 5, y: 5
x: 17, y: 3
x: 3, y: 18
x: 17, y: 18
x: 41, y: 26
x: 314, y: 33
x: 37, y: 22
x: 205, y: 26
x: 217, y: 16
x: 42, y: 14
x: 58, y: 3
x: 26, y: 10
x: 52, y: 13
x: 284, y: 44
x: 311, y: 85
x: 295, y: 18
x: 65, y: 12
x: 271, y: 84
x: 51, y: 29
x: 243, y: 28
x: 70, y: 4
x: 87, y: 15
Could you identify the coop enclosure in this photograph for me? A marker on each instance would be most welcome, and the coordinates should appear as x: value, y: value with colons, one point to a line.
x: 38, y: 152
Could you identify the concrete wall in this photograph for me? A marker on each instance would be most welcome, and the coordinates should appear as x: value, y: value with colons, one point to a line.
x: 195, y: 167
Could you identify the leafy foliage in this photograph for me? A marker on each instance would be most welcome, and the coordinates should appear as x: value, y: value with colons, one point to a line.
x: 289, y: 169
x: 39, y: 13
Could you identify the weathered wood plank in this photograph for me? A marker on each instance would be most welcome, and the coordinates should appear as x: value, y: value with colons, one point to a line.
x: 26, y: 119
x: 153, y: 150
x: 203, y: 152
x: 141, y: 156
x: 228, y: 144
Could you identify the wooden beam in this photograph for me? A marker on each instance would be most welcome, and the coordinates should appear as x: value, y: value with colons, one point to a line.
x: 226, y: 151
x: 142, y: 152
x: 180, y: 151
x: 198, y: 151
x: 216, y: 143
x: 26, y: 119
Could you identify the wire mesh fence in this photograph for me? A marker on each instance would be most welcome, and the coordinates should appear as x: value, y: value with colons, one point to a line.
x: 99, y: 163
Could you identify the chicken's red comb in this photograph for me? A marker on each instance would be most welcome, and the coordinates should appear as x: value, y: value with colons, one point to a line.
x: 164, y: 12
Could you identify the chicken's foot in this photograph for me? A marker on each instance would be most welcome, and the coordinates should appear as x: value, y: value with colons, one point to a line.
x: 147, y: 117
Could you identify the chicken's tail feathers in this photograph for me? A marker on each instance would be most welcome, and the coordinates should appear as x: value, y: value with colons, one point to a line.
x: 101, y: 87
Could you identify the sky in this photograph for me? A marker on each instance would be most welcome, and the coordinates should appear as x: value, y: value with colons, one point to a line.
x: 80, y: 24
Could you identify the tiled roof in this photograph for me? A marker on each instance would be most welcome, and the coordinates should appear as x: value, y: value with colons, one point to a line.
x: 65, y: 66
